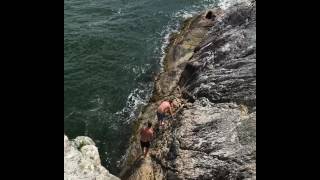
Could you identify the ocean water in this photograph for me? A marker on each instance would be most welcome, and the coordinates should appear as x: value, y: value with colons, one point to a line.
x: 112, y: 49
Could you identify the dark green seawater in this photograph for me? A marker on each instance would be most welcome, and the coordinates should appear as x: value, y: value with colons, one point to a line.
x: 112, y: 48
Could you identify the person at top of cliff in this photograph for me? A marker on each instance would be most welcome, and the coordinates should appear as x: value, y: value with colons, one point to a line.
x: 146, y: 136
x: 207, y: 20
x: 210, y: 15
x: 164, y: 108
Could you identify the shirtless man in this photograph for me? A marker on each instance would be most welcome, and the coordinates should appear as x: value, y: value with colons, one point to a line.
x: 207, y: 20
x: 146, y: 135
x: 165, y: 107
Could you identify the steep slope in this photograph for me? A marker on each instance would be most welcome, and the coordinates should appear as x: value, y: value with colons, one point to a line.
x: 211, y: 70
x: 82, y: 161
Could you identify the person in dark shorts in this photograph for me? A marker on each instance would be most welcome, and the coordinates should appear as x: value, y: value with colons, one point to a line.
x: 164, y: 107
x: 146, y: 135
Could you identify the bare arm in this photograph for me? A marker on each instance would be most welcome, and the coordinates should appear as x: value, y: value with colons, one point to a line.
x: 152, y: 136
x: 170, y: 109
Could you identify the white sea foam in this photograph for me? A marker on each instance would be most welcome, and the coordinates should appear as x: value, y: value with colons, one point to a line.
x: 225, y: 4
x: 174, y: 26
x: 139, y: 96
x: 165, y: 42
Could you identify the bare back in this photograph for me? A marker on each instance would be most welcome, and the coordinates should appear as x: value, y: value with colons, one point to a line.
x: 164, y: 107
x: 146, y: 134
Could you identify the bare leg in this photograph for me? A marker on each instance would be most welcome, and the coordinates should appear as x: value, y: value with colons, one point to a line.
x: 142, y: 149
x: 145, y: 154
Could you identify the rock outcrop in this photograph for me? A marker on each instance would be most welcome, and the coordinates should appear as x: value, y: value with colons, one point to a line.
x: 82, y: 161
x: 210, y: 69
x: 215, y: 135
x: 217, y: 132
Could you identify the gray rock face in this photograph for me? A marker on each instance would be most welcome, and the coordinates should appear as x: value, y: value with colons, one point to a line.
x: 225, y: 66
x: 82, y: 161
x: 214, y: 141
x: 216, y: 133
x: 213, y: 135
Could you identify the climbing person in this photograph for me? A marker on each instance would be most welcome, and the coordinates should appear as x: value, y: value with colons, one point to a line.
x: 210, y: 15
x: 207, y: 20
x: 164, y: 108
x: 146, y: 136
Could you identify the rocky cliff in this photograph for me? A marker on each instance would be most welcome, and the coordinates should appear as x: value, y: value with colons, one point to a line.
x: 210, y: 68
x: 82, y: 161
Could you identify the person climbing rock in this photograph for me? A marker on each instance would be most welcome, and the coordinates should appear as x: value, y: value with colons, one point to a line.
x: 164, y: 108
x: 208, y: 19
x: 146, y: 136
x: 210, y: 15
